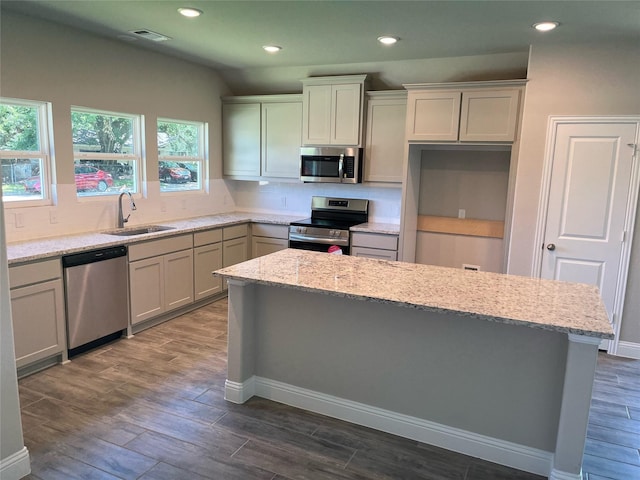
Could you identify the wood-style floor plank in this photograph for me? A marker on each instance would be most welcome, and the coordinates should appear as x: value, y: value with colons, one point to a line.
x: 152, y: 407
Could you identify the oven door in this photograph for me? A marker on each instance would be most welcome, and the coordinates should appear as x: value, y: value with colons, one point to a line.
x: 317, y: 247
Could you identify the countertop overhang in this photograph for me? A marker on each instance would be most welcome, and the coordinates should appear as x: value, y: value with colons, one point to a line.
x: 570, y: 308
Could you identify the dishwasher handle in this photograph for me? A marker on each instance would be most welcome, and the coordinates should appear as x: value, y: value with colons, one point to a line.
x: 92, y: 256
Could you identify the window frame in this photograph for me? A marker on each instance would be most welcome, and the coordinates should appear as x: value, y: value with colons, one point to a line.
x: 137, y: 155
x: 202, y: 159
x: 45, y: 138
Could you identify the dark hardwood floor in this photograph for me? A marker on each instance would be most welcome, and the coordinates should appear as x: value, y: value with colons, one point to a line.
x: 152, y: 408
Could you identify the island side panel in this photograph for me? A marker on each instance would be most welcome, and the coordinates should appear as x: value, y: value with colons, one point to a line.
x: 498, y: 380
x: 241, y: 341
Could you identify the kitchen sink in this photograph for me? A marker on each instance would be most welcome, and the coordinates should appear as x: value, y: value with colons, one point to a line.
x: 128, y: 232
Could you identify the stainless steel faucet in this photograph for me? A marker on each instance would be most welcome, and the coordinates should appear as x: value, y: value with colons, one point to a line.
x: 121, y: 219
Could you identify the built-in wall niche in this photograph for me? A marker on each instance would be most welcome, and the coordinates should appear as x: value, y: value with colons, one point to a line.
x: 462, y: 204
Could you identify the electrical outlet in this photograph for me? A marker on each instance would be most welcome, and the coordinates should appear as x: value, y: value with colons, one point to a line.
x: 283, y: 202
x: 19, y: 220
x: 53, y: 216
x: 462, y: 213
x: 163, y: 206
x: 473, y: 268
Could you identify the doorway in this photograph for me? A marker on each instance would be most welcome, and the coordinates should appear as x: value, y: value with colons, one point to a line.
x: 588, y: 206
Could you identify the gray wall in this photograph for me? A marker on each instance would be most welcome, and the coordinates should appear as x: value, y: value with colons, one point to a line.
x: 581, y: 80
x: 494, y: 379
x: 11, y: 440
x: 67, y: 67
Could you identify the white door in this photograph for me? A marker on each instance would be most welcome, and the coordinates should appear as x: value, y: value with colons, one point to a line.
x: 587, y: 208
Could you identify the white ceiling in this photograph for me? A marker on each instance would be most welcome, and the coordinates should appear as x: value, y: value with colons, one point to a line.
x: 230, y: 34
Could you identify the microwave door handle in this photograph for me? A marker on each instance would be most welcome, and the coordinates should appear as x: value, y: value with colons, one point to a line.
x: 341, y: 166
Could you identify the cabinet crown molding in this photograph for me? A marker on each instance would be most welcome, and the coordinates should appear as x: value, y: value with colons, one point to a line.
x: 458, y: 85
x: 334, y: 80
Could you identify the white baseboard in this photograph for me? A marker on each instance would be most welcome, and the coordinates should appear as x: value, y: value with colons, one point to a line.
x: 487, y: 448
x: 558, y: 475
x: 15, y: 466
x: 239, y: 392
x: 628, y: 349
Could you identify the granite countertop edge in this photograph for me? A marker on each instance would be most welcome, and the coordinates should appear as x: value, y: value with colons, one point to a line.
x: 51, y: 247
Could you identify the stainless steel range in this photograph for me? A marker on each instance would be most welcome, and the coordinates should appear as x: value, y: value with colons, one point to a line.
x: 328, y: 228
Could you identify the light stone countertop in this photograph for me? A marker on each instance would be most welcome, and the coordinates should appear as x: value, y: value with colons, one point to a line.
x: 56, y: 246
x: 372, y: 227
x: 537, y: 303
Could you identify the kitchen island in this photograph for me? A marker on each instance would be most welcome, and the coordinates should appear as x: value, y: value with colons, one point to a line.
x: 495, y: 366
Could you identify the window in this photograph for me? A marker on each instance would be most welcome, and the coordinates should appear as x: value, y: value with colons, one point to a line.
x: 180, y: 155
x: 106, y: 152
x: 24, y: 151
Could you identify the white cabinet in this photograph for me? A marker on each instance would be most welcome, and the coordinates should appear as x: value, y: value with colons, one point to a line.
x: 374, y: 245
x: 261, y: 137
x: 160, y: 276
x: 385, y: 137
x: 281, y: 139
x: 268, y: 238
x: 464, y: 112
x: 332, y: 110
x: 37, y: 306
x: 241, y: 139
x: 207, y: 258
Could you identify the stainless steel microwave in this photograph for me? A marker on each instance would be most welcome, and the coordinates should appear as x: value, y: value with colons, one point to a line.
x: 331, y: 164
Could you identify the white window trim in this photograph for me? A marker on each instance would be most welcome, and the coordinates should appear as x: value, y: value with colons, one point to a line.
x: 203, y: 172
x: 137, y: 122
x: 45, y: 135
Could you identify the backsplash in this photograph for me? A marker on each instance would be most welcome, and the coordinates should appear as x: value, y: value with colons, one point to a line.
x: 295, y: 198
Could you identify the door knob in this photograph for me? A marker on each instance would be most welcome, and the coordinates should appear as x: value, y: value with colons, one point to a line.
x: 551, y: 247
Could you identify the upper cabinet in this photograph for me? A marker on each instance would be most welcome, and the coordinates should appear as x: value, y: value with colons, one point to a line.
x: 464, y: 112
x: 261, y: 136
x: 385, y: 132
x: 332, y: 110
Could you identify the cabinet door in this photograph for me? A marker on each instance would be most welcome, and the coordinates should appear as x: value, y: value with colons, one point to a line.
x: 345, y: 114
x: 281, y: 139
x: 147, y: 288
x: 178, y: 279
x: 385, y: 141
x: 374, y: 253
x: 316, y: 115
x: 489, y: 115
x: 241, y: 139
x: 265, y: 245
x: 234, y: 251
x: 433, y: 116
x: 207, y: 259
x: 38, y: 321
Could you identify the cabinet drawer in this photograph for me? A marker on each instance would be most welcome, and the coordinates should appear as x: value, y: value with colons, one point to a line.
x: 374, y: 240
x: 235, y: 231
x: 208, y: 237
x: 34, y: 273
x: 154, y: 248
x: 269, y: 230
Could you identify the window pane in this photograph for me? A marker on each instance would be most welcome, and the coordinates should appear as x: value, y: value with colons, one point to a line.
x: 19, y: 128
x: 178, y: 140
x: 22, y: 179
x: 94, y: 132
x: 105, y: 177
x: 178, y: 176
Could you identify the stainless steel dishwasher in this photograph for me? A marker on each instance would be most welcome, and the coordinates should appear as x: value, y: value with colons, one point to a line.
x: 96, y: 296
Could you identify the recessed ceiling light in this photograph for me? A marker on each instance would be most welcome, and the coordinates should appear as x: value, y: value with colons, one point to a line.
x: 545, y: 26
x: 190, y: 12
x: 388, y: 40
x: 272, y: 48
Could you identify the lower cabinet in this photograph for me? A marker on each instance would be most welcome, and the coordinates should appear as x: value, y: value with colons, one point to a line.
x: 207, y: 258
x: 374, y: 245
x: 37, y: 306
x: 160, y: 276
x: 235, y: 247
x: 268, y: 238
